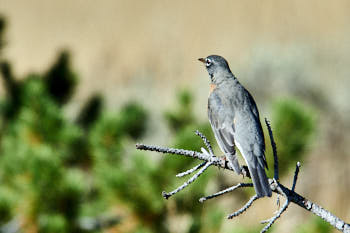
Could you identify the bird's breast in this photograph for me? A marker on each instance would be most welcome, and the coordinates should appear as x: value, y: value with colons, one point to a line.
x: 212, y: 88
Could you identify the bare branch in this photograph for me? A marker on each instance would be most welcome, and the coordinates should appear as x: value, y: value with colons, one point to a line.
x: 289, y: 194
x: 189, y: 171
x: 193, y: 178
x: 244, y: 208
x: 296, y: 175
x: 230, y: 189
x: 219, y: 162
x: 206, y: 142
x: 315, y: 209
x: 274, y: 150
x: 274, y: 218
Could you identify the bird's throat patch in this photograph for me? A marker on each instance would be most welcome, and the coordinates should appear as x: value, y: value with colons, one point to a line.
x: 212, y: 87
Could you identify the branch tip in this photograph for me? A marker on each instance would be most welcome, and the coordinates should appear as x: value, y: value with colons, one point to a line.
x: 206, y: 142
x: 166, y: 195
x: 296, y: 173
x: 274, y: 218
x: 244, y: 208
x: 274, y: 149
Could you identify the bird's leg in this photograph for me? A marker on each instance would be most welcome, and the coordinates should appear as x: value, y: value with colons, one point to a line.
x: 245, y: 171
x: 223, y: 157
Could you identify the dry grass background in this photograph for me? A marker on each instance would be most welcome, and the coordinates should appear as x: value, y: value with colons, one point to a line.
x: 147, y: 50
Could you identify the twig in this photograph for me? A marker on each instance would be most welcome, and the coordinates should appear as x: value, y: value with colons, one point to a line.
x: 206, y: 142
x: 230, y: 189
x: 193, y: 178
x: 189, y: 171
x: 274, y: 150
x: 244, y: 208
x: 274, y: 218
x: 296, y: 175
x: 219, y: 162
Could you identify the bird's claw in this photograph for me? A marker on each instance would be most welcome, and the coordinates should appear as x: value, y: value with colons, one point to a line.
x: 245, y: 171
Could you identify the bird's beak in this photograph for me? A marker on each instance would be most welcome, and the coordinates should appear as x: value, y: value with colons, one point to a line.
x: 201, y: 59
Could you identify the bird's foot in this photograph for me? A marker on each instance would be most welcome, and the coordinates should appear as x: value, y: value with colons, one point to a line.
x: 245, y: 171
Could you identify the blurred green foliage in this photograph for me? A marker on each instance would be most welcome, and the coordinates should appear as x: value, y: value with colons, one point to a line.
x: 55, y: 171
x: 133, y: 119
x: 315, y: 225
x: 293, y: 126
x: 90, y: 112
x: 6, y: 205
x: 183, y: 115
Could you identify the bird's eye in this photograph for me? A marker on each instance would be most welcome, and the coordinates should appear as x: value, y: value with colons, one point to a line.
x: 207, y: 62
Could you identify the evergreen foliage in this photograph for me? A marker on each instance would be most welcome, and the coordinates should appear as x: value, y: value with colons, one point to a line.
x: 294, y: 125
x: 55, y: 171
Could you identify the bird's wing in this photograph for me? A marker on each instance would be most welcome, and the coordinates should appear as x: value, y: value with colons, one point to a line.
x: 222, y: 124
x: 251, y: 136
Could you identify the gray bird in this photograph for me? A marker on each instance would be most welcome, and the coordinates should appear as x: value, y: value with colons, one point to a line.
x: 234, y: 118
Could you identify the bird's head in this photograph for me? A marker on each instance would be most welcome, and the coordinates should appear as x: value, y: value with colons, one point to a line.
x: 216, y: 66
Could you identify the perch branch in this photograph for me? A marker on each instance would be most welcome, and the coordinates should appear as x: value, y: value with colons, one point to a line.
x: 291, y: 196
x: 275, y: 187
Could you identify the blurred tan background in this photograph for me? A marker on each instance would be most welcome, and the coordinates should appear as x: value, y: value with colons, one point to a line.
x: 155, y: 44
x: 147, y: 50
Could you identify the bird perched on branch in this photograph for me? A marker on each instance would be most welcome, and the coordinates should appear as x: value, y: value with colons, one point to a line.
x: 234, y: 118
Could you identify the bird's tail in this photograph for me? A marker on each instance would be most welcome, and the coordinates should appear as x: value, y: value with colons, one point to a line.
x: 260, y: 180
